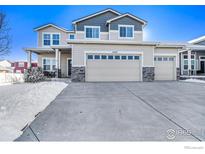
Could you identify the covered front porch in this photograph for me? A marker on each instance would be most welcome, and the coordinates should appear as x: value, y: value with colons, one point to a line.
x: 192, y: 62
x: 54, y: 60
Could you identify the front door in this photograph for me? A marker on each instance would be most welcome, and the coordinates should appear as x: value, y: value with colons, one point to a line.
x: 69, y: 67
x: 202, y: 66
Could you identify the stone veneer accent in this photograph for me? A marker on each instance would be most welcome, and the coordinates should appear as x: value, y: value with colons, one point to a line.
x: 148, y: 73
x: 178, y: 73
x: 78, y: 74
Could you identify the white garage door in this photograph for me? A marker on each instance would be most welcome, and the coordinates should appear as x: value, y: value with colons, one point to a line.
x: 113, y: 67
x: 165, y: 68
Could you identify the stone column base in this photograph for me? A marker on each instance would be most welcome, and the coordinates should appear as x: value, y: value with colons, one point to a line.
x: 78, y: 74
x: 148, y: 74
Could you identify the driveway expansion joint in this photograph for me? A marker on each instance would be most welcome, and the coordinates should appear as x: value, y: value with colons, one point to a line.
x: 34, y: 133
x: 164, y: 115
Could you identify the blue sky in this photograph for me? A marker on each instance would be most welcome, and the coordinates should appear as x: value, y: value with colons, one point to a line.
x: 165, y: 23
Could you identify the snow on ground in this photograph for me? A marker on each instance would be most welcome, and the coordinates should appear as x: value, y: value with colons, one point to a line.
x: 194, y: 80
x: 19, y: 103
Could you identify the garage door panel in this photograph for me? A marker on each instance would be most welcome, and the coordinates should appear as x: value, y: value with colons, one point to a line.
x: 113, y: 70
x: 165, y: 69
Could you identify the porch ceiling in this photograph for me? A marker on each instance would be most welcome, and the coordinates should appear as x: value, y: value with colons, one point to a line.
x: 51, y: 49
x: 196, y: 47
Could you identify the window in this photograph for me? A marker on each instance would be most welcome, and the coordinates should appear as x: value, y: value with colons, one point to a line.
x: 117, y: 57
x: 126, y: 31
x: 49, y: 64
x: 193, y: 62
x: 185, y: 64
x: 110, y: 57
x: 90, y: 56
x: 165, y: 58
x: 56, y: 39
x: 51, y: 39
x: 185, y: 57
x: 46, y: 39
x: 136, y: 57
x: 159, y: 58
x: 103, y: 57
x: 71, y: 36
x: 92, y: 32
x: 97, y: 57
x: 21, y: 64
x: 130, y: 57
x: 171, y: 58
x: 124, y: 57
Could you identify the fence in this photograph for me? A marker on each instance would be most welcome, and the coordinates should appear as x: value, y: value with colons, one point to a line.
x: 11, y: 77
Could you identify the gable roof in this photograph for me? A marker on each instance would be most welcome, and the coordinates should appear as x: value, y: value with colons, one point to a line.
x: 129, y: 15
x: 95, y: 14
x: 197, y: 40
x: 52, y: 25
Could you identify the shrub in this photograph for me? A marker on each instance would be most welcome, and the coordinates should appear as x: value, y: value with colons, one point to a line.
x: 33, y: 74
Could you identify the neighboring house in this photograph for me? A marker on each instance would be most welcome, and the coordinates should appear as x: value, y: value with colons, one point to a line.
x: 6, y: 66
x: 107, y: 46
x: 20, y: 66
x: 193, y: 58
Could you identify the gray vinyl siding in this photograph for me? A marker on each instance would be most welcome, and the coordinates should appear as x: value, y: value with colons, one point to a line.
x: 126, y: 21
x: 99, y: 20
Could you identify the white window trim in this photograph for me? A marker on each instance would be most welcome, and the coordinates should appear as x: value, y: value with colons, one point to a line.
x: 69, y: 36
x: 91, y: 27
x: 187, y: 60
x: 133, y: 31
x: 200, y: 58
x: 50, y: 58
x: 51, y: 36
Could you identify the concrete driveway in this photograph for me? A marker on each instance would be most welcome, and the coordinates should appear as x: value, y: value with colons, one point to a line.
x: 131, y: 111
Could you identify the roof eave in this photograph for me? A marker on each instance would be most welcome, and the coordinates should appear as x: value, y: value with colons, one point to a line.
x: 134, y: 17
x: 95, y: 14
x: 44, y: 26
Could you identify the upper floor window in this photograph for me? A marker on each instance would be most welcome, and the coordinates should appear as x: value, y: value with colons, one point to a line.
x: 21, y: 64
x: 46, y: 39
x: 71, y: 36
x: 56, y: 39
x: 92, y: 32
x: 51, y: 39
x: 126, y: 31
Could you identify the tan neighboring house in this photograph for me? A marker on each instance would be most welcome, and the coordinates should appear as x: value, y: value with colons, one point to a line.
x: 106, y: 46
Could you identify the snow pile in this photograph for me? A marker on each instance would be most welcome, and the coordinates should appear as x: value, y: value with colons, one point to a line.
x: 194, y: 80
x: 5, y: 84
x: 20, y: 103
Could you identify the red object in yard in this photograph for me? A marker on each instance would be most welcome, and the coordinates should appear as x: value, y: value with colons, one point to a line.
x: 20, y: 66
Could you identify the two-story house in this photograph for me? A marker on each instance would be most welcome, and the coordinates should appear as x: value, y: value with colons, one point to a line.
x: 106, y: 46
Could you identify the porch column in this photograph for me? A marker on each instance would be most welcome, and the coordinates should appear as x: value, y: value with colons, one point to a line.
x: 29, y: 58
x: 181, y: 63
x: 57, y: 61
x: 59, y: 56
x: 189, y: 62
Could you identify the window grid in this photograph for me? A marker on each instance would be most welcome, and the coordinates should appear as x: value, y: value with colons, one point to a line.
x: 51, y: 39
x: 113, y: 57
x: 49, y: 64
x: 126, y: 31
x: 92, y: 32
